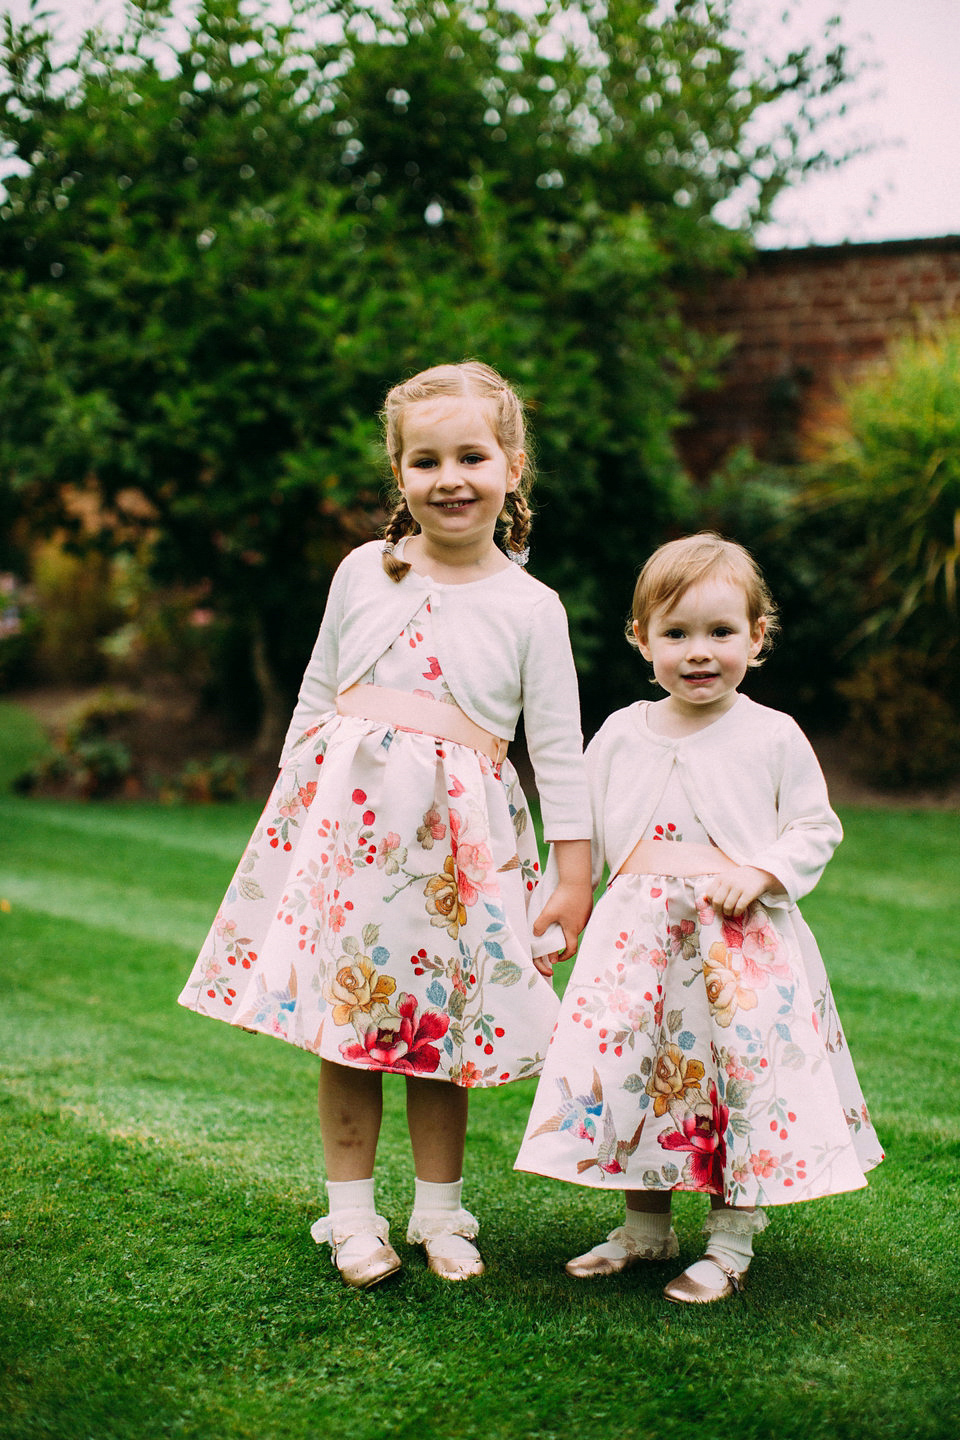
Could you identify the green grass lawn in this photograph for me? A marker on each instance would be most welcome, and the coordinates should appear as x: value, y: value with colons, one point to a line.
x: 159, y: 1171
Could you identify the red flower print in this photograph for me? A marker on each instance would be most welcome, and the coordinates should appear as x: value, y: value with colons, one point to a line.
x: 434, y: 672
x: 402, y: 1042
x: 702, y: 1135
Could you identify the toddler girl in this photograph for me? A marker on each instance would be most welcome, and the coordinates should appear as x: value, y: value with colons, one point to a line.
x: 378, y: 917
x: 698, y: 1045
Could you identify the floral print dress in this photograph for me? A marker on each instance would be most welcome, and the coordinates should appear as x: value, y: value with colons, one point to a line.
x: 697, y: 1052
x: 378, y: 917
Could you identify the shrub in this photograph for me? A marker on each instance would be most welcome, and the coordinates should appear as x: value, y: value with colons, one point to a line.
x: 90, y: 760
x: 901, y: 731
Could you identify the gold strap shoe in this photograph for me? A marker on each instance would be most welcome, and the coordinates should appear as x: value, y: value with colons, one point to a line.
x: 687, y: 1291
x: 452, y: 1256
x: 447, y: 1238
x: 619, y: 1252
x: 365, y: 1259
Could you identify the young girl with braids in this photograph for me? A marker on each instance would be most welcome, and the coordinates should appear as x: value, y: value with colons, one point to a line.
x: 379, y: 916
x: 698, y: 1046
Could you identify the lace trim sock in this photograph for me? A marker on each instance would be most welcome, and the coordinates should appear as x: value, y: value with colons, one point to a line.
x: 437, y: 1212
x: 731, y: 1235
x: 646, y: 1227
x: 352, y: 1211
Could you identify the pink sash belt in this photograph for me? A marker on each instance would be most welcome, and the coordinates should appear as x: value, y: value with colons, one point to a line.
x: 418, y: 712
x: 675, y: 857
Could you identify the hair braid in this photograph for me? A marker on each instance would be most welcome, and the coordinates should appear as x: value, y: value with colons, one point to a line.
x: 400, y: 523
x: 520, y: 517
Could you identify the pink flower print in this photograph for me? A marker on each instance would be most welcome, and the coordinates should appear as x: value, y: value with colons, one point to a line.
x: 434, y: 671
x: 474, y: 862
x: 736, y: 1071
x: 344, y: 865
x: 402, y: 1041
x: 705, y: 912
x: 456, y: 789
x: 391, y: 854
x: 306, y: 793
x: 763, y: 1164
x: 431, y: 829
x: 702, y: 1135
x: 337, y: 918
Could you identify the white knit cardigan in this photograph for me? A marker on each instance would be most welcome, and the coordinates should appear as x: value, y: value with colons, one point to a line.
x: 503, y: 646
x: 751, y: 777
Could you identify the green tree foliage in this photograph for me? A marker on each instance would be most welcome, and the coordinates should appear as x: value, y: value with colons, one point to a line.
x: 861, y: 546
x: 221, y: 246
x: 893, y: 468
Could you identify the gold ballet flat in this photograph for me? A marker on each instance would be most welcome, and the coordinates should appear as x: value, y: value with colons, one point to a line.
x: 375, y: 1263
x: 686, y: 1291
x: 620, y: 1252
x: 452, y: 1262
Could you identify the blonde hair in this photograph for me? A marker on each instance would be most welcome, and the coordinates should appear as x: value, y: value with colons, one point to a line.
x: 470, y: 379
x: 681, y: 564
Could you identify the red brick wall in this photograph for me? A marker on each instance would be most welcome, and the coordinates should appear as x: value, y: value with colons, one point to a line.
x: 805, y: 319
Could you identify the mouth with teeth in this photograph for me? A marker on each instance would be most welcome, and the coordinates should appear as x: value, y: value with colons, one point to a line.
x: 700, y: 677
x: 451, y: 504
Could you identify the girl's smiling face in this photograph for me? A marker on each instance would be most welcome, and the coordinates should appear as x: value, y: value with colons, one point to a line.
x: 454, y: 476
x: 700, y: 645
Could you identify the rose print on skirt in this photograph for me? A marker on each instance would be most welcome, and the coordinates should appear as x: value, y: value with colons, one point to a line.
x: 378, y: 916
x: 707, y: 1032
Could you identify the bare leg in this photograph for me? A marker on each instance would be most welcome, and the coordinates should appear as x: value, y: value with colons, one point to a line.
x: 649, y: 1202
x: 351, y: 1108
x: 437, y: 1121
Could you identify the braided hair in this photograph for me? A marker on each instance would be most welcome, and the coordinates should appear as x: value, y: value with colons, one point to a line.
x: 478, y: 381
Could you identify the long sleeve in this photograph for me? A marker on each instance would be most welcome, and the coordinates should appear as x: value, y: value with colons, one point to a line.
x: 808, y: 829
x: 318, y: 689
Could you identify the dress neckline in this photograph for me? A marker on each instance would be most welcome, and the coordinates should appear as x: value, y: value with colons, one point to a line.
x: 669, y: 742
x: 401, y: 545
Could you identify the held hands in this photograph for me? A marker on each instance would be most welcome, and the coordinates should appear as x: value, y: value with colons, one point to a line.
x: 569, y: 907
x: 735, y: 891
x: 571, y: 902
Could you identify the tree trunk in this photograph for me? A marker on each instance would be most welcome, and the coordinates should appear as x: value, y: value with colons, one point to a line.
x: 274, y: 709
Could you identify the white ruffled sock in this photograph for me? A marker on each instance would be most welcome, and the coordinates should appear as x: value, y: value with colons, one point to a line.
x: 438, y: 1217
x: 731, y: 1235
x: 647, y: 1227
x: 353, y: 1214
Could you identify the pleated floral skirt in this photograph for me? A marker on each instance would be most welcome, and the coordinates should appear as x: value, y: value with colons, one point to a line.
x: 696, y: 1052
x: 378, y: 917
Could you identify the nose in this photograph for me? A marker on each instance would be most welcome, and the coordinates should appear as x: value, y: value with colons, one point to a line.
x: 448, y: 475
x: 697, y: 648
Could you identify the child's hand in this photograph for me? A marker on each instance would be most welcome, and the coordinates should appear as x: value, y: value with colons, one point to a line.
x: 735, y: 891
x: 569, y: 907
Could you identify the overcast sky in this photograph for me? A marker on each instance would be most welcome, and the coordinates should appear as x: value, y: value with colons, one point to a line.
x: 907, y: 106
